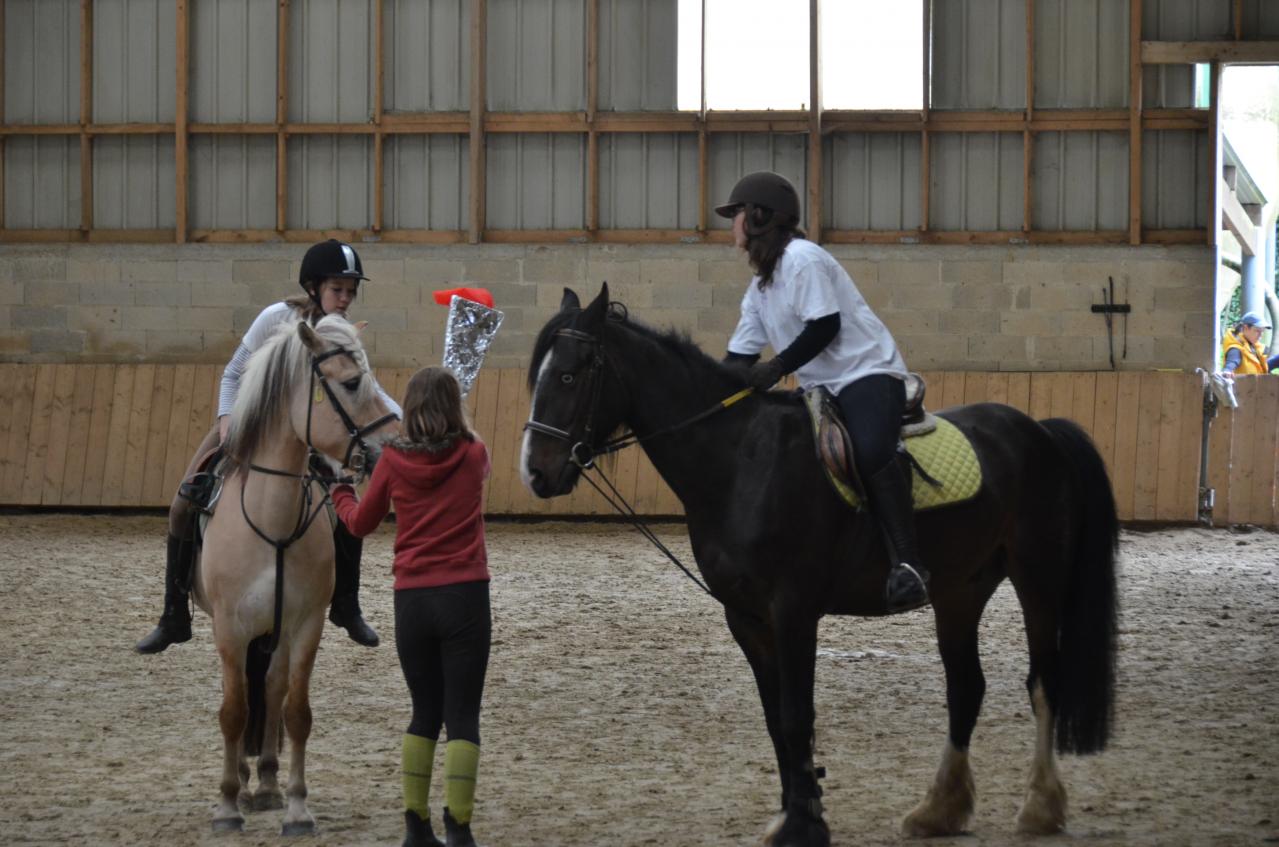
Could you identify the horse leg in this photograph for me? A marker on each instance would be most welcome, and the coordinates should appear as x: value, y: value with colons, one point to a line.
x: 232, y: 717
x: 948, y: 805
x: 268, y: 794
x: 1044, y: 810
x: 795, y: 645
x: 757, y: 645
x: 297, y: 723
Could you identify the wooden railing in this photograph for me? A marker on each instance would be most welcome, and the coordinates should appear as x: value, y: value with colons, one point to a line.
x: 77, y: 436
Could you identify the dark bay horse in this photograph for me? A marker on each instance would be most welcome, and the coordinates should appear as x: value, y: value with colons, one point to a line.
x: 779, y: 549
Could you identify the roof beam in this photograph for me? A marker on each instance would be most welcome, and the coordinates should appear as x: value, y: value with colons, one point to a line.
x: 1202, y: 52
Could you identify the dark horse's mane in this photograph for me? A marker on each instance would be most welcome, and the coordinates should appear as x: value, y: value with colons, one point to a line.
x: 677, y: 341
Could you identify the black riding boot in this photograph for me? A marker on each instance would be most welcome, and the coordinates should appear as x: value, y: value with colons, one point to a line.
x: 891, y: 502
x: 344, y: 610
x: 418, y: 832
x: 175, y: 623
x: 457, y: 834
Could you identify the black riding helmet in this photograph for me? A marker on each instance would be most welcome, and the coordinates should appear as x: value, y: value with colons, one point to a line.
x: 762, y: 188
x: 328, y: 259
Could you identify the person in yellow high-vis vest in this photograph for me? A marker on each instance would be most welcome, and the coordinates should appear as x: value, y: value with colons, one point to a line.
x: 1242, y: 347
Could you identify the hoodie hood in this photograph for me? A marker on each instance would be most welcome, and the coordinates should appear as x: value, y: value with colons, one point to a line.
x: 426, y: 465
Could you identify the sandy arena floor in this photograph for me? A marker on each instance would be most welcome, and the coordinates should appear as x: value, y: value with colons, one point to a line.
x: 620, y: 712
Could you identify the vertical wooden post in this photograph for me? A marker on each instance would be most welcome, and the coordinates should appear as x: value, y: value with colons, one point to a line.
x: 379, y: 61
x: 281, y: 115
x: 1027, y: 138
x: 478, y: 107
x: 703, y: 153
x: 86, y: 115
x: 180, y: 156
x: 814, y: 122
x: 925, y: 156
x: 1, y: 116
x: 1237, y: 15
x: 1134, y: 122
x: 592, y: 104
x: 1214, y: 154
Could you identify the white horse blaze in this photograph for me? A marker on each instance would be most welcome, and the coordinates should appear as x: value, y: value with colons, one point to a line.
x: 526, y: 448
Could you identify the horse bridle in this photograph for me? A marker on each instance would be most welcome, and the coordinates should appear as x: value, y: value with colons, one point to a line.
x: 354, y: 431
x: 582, y: 453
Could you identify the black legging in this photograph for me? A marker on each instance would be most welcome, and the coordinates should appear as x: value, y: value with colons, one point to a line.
x: 872, y: 408
x: 442, y: 636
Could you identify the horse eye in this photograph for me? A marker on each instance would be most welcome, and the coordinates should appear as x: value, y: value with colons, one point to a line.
x: 567, y: 379
x: 352, y: 384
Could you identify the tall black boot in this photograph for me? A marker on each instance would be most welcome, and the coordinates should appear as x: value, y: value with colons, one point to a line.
x: 418, y: 832
x: 457, y: 834
x: 175, y: 623
x: 892, y: 504
x: 344, y: 610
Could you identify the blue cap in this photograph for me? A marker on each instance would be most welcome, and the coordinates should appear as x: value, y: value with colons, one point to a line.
x: 1254, y: 319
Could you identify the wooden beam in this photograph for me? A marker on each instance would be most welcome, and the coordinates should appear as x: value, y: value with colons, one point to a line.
x: 1203, y: 52
x: 814, y: 122
x: 181, y: 161
x: 592, y: 106
x: 1134, y: 121
x: 307, y: 236
x: 1, y: 117
x: 1235, y: 219
x: 281, y: 115
x: 1215, y: 199
x: 1236, y: 16
x: 1027, y: 139
x: 925, y: 156
x: 86, y: 114
x: 379, y: 74
x: 608, y: 236
x: 703, y: 146
x: 909, y: 236
x: 80, y: 236
x: 478, y: 106
x: 456, y: 123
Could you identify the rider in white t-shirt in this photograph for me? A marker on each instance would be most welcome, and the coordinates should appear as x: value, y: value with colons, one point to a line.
x: 803, y: 304
x: 330, y: 275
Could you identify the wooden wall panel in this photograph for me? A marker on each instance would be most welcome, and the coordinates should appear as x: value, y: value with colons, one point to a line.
x: 121, y: 435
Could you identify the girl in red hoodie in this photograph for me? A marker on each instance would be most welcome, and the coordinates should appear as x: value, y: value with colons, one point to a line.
x: 434, y: 474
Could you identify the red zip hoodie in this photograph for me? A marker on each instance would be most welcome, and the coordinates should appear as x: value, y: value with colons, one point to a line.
x: 439, y: 500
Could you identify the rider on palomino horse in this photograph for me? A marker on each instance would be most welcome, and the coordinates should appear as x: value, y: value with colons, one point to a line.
x: 805, y: 305
x: 330, y: 276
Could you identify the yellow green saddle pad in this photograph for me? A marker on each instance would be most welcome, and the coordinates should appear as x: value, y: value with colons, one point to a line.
x: 943, y: 452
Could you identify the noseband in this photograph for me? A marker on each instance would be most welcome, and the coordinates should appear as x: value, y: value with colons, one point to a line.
x: 582, y: 453
x: 354, y: 431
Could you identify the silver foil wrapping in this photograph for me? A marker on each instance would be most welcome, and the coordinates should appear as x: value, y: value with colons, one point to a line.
x: 467, y: 337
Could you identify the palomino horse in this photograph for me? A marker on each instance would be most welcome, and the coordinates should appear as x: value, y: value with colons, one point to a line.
x: 267, y: 562
x: 779, y: 549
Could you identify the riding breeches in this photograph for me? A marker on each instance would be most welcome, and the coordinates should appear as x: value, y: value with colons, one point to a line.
x: 442, y: 636
x: 182, y: 510
x: 872, y: 410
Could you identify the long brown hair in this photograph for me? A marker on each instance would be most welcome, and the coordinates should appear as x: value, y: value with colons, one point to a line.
x: 306, y: 307
x: 434, y: 414
x: 767, y: 234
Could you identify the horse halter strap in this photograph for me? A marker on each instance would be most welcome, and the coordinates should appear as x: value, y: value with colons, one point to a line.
x: 581, y: 453
x: 353, y: 430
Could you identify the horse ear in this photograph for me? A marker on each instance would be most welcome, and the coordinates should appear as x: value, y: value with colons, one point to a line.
x: 593, y: 315
x: 570, y: 300
x: 309, y: 337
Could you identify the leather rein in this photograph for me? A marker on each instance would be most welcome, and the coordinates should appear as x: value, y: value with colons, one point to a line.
x: 307, y: 514
x: 583, y: 454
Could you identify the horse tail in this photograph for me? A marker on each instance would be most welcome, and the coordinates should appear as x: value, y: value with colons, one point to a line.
x: 1088, y: 632
x: 255, y: 667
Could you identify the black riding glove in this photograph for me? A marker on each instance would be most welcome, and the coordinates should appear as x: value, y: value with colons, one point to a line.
x: 764, y: 375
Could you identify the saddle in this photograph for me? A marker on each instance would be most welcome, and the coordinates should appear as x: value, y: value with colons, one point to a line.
x: 204, y: 486
x: 944, y: 465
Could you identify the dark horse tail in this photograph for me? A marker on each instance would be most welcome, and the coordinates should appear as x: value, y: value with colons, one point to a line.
x: 257, y: 662
x: 1085, y: 690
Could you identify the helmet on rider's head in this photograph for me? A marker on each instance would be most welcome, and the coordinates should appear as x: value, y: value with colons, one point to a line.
x: 765, y: 189
x: 328, y: 259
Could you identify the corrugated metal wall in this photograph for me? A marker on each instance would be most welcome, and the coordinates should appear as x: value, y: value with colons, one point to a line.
x: 872, y: 181
x: 1173, y: 86
x: 330, y: 182
x: 638, y: 65
x: 42, y: 86
x: 1081, y: 54
x: 232, y: 181
x: 427, y: 181
x: 979, y: 54
x: 428, y: 51
x: 536, y: 55
x: 976, y: 181
x: 1080, y: 181
x: 1174, y: 180
x: 536, y: 181
x: 1261, y: 18
x: 648, y: 181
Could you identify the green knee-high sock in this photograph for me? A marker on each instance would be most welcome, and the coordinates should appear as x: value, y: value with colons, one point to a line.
x: 417, y: 758
x: 461, y: 763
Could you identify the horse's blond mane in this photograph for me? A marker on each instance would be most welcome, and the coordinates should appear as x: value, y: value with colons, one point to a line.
x: 275, y: 371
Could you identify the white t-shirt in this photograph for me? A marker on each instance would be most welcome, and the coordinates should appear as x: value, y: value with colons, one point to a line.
x: 261, y: 329
x: 808, y: 284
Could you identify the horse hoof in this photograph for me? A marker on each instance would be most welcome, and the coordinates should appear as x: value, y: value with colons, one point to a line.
x: 224, y: 825
x: 293, y: 828
x: 264, y: 801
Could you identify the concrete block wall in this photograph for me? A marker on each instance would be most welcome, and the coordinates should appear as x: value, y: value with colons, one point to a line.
x: 1024, y: 308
